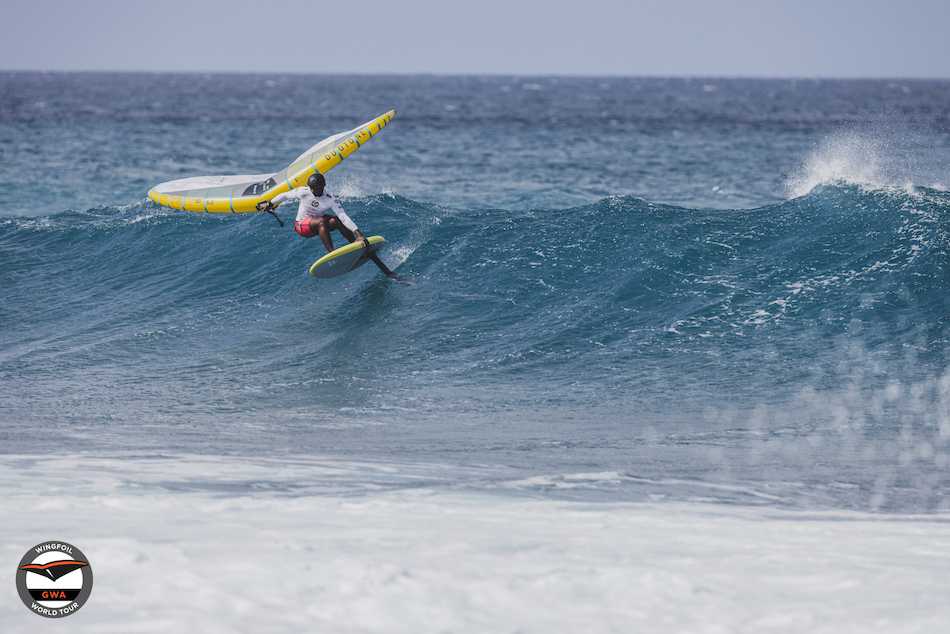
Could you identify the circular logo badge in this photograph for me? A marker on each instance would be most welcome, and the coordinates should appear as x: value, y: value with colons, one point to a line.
x: 54, y: 579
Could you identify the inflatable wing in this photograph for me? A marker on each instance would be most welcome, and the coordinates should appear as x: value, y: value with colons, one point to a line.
x: 241, y: 194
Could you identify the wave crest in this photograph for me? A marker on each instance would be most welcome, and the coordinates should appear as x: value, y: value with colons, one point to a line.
x: 868, y: 160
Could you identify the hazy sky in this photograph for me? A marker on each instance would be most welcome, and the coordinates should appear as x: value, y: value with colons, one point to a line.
x: 753, y: 38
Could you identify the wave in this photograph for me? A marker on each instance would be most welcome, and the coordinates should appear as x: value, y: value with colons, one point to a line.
x: 613, y: 334
x: 840, y: 246
x: 840, y: 285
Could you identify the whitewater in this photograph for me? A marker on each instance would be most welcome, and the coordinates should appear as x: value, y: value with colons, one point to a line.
x: 674, y: 358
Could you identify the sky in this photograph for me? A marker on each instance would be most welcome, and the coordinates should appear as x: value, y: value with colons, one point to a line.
x: 715, y: 38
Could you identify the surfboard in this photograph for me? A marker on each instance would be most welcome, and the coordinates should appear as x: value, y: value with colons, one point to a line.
x: 345, y: 259
x: 241, y: 194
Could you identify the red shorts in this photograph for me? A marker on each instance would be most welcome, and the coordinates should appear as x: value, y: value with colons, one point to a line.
x: 303, y: 228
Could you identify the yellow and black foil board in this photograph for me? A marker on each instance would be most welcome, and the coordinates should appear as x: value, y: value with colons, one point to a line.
x: 345, y: 259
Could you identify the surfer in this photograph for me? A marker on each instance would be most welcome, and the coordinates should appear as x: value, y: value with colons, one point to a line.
x: 312, y: 218
x: 315, y: 200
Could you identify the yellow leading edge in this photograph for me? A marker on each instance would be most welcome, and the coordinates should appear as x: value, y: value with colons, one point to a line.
x: 242, y: 193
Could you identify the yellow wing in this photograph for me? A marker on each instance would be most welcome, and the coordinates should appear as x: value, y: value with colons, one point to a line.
x: 241, y: 194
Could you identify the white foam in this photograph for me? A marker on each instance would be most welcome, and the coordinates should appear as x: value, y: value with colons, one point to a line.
x: 890, y: 160
x: 854, y: 159
x: 421, y: 560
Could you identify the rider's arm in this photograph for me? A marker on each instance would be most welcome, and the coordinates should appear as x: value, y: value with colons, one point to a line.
x: 276, y: 200
x: 347, y: 221
x: 338, y: 211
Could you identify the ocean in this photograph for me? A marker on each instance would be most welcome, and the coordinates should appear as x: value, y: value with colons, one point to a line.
x: 675, y: 356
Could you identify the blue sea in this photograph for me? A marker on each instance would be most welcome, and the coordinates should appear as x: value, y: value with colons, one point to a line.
x: 675, y: 356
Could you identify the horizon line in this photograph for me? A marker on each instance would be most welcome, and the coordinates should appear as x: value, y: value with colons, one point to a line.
x: 685, y: 76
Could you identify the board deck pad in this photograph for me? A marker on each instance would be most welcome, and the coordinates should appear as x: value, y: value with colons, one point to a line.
x: 345, y: 259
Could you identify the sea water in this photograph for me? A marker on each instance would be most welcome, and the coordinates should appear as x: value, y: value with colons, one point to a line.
x: 675, y: 356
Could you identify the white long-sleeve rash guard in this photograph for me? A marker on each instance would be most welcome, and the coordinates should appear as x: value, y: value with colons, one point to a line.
x: 315, y: 206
